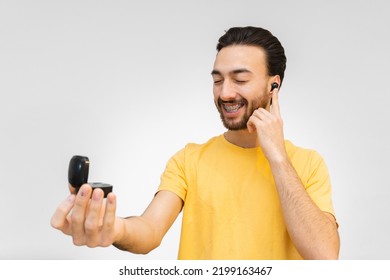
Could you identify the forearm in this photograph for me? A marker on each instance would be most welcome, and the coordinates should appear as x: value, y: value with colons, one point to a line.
x: 137, y: 235
x: 313, y: 233
x: 142, y: 234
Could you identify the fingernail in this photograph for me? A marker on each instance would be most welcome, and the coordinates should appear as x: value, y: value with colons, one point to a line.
x: 111, y: 198
x: 96, y: 195
x: 83, y: 191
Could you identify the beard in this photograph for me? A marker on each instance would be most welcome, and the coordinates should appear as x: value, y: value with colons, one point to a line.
x: 241, y: 123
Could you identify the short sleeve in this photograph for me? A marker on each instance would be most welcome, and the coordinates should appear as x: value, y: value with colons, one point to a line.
x: 318, y: 184
x: 174, y: 179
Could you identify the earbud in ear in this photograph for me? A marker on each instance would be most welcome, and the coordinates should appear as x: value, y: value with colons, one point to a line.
x: 274, y: 85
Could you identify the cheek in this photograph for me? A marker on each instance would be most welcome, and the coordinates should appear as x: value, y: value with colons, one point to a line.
x: 259, y: 98
x: 216, y: 92
x: 262, y: 92
x: 249, y: 92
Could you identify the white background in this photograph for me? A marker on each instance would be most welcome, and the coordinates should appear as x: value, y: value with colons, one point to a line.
x: 127, y: 83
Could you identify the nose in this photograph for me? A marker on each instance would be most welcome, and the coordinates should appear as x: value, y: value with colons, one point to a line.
x: 227, y: 91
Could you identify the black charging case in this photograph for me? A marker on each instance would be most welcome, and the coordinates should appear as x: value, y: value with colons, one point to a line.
x: 78, y: 175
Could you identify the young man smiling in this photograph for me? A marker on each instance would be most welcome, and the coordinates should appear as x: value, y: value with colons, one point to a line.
x: 246, y: 194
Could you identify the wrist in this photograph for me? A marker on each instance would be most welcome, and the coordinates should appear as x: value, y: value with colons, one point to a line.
x: 278, y: 158
x: 120, y: 229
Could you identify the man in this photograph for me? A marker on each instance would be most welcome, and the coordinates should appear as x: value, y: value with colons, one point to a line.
x: 246, y: 194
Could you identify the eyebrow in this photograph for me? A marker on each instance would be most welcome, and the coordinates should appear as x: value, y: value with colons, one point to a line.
x: 236, y: 71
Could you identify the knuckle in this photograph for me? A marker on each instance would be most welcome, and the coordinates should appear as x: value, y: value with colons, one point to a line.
x: 92, y: 244
x: 106, y: 240
x: 106, y: 243
x: 80, y: 202
x: 78, y: 241
x: 90, y: 226
x: 77, y: 219
x: 109, y: 224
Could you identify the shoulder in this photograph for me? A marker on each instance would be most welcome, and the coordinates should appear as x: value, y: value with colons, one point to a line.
x: 194, y: 149
x: 301, y: 154
x: 190, y: 154
x: 306, y: 161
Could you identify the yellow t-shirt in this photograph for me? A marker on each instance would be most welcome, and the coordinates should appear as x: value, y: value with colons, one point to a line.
x: 231, y: 205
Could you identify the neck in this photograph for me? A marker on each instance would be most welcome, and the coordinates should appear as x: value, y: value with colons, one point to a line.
x: 242, y: 138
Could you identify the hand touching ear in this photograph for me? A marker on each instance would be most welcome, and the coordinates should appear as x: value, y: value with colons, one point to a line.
x: 269, y: 129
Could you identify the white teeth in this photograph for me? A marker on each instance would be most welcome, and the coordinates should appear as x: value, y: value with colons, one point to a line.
x: 232, y: 108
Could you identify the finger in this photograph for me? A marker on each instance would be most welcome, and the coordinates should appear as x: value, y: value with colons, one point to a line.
x: 262, y: 114
x: 275, y: 110
x: 91, y: 225
x: 251, y: 125
x: 72, y: 190
x: 59, y: 219
x: 253, y: 121
x: 78, y: 214
x: 109, y: 220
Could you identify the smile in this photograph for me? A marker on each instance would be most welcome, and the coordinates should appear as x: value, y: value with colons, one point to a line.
x: 232, y: 107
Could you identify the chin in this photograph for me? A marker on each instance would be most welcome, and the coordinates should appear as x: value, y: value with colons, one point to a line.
x: 241, y: 125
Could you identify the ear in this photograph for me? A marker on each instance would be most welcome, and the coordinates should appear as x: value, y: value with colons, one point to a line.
x: 274, y: 79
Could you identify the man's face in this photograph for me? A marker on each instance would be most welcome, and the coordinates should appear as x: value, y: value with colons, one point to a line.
x: 240, y: 84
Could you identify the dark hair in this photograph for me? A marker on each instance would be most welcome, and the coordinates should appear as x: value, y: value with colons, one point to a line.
x: 256, y: 36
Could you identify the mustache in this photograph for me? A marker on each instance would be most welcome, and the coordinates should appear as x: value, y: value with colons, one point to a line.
x: 241, y: 101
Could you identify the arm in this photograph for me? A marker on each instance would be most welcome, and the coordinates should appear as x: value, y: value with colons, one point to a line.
x: 143, y: 234
x: 91, y: 222
x: 313, y: 232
